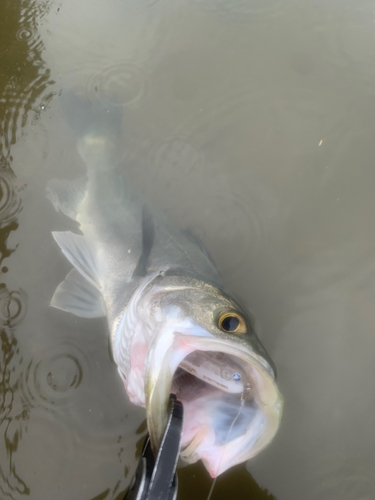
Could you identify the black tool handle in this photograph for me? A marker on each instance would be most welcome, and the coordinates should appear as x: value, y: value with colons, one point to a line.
x: 156, y: 479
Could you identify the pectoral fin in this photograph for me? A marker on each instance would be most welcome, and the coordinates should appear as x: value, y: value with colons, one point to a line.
x: 77, y: 296
x: 79, y: 253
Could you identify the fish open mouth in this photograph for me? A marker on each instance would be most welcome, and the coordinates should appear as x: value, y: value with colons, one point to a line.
x: 232, y: 407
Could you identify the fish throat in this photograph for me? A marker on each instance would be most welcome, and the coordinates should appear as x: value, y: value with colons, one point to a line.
x: 220, y: 407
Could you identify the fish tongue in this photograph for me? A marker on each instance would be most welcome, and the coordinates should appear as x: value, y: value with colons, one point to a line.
x: 214, y: 421
x: 209, y: 412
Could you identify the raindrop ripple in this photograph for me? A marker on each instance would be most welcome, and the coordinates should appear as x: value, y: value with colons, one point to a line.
x: 121, y: 84
x: 53, y: 380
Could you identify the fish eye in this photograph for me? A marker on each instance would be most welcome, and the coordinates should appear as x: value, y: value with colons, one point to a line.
x: 231, y: 322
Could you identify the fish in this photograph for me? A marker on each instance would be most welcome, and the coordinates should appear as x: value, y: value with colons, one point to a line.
x: 173, y: 326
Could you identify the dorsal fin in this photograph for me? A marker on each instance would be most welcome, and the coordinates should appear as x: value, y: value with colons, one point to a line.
x: 195, y: 239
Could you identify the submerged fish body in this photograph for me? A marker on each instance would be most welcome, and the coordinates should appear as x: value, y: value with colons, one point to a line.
x: 173, y: 326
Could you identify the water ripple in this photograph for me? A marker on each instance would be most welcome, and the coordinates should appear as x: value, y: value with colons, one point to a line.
x: 343, y: 38
x: 299, y: 117
x: 25, y: 34
x: 241, y: 10
x: 229, y: 221
x: 26, y: 88
x: 28, y: 21
x: 10, y: 202
x: 350, y: 6
x: 10, y: 206
x: 230, y: 226
x: 251, y: 131
x: 34, y: 97
x: 131, y: 5
x: 346, y: 480
x: 23, y: 88
x: 43, y: 434
x: 52, y: 381
x: 175, y: 154
x: 122, y: 84
x: 13, y: 306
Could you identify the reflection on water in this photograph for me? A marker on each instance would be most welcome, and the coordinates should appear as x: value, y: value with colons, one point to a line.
x: 24, y: 79
x: 23, y: 84
x: 9, y: 198
x: 10, y: 205
x: 249, y: 122
x: 195, y: 483
x: 13, y: 413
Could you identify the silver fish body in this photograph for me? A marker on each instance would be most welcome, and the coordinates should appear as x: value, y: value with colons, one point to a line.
x: 164, y: 301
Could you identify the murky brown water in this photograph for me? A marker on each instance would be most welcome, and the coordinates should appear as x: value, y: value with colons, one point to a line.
x: 251, y: 122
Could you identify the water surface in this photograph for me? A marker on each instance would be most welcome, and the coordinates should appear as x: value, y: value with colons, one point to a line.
x: 250, y: 122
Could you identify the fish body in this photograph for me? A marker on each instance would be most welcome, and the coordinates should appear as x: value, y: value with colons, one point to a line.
x: 173, y: 325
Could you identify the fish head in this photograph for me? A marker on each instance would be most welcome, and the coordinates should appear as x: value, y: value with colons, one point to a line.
x: 205, y: 351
